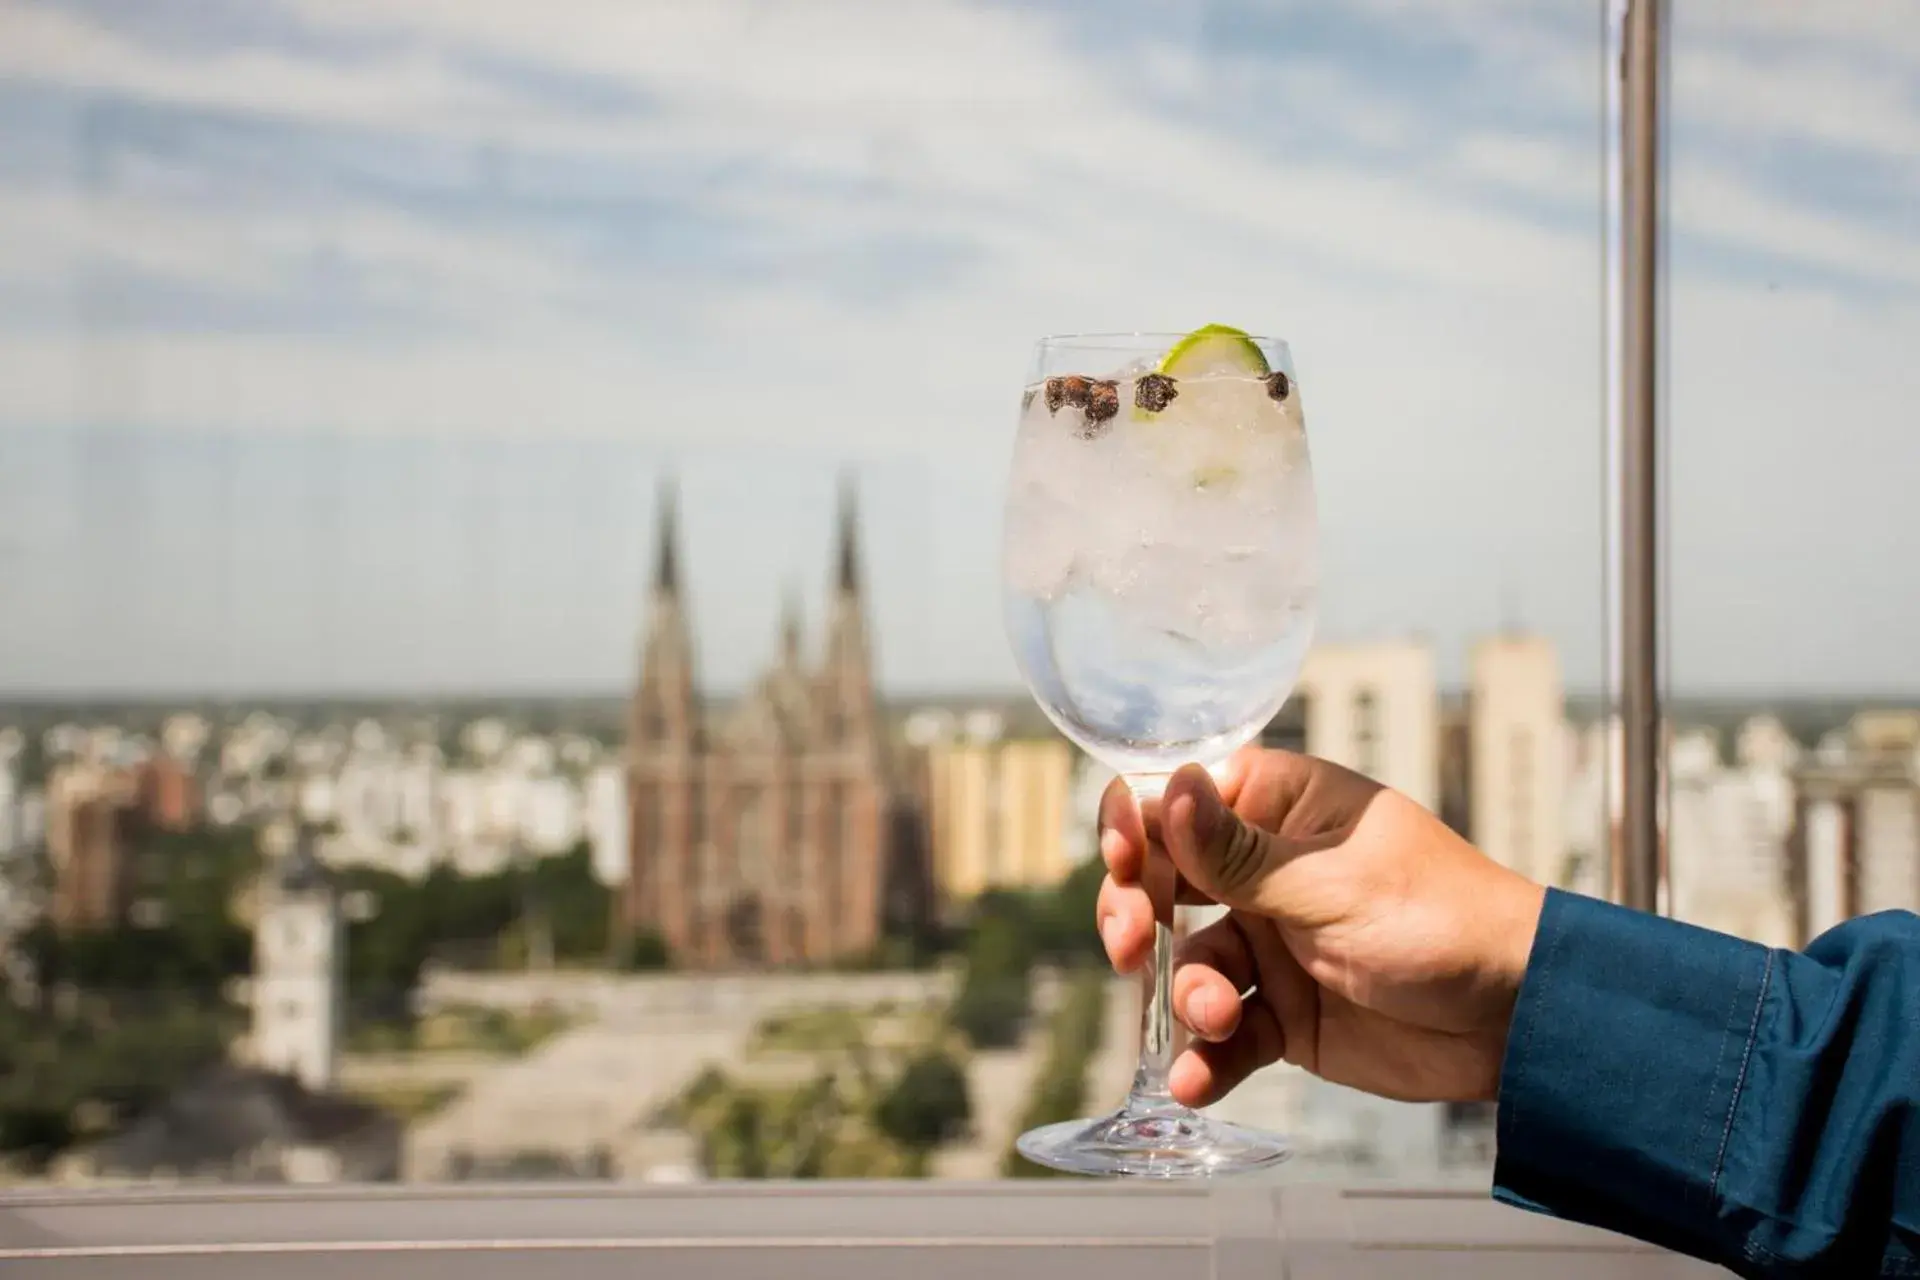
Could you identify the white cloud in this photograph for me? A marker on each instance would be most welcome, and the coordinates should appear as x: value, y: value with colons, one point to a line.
x: 1535, y: 165
x: 1831, y: 98
x: 1713, y: 202
x: 1447, y: 337
x: 402, y: 90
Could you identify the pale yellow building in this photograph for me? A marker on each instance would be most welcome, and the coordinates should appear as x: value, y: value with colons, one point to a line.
x: 1519, y: 755
x: 997, y: 814
x: 1375, y: 708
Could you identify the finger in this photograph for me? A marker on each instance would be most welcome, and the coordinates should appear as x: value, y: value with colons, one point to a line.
x: 1210, y: 969
x: 1206, y: 989
x: 1286, y: 990
x: 1123, y: 834
x: 1229, y: 859
x: 1205, y: 1002
x: 1161, y: 881
x: 1207, y: 1072
x: 1125, y: 916
x: 1271, y: 783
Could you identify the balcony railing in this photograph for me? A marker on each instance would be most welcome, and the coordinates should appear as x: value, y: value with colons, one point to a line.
x: 848, y: 1231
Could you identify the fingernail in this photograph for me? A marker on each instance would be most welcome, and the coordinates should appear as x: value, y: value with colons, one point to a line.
x: 1201, y: 1011
x: 1110, y: 934
x: 1112, y: 845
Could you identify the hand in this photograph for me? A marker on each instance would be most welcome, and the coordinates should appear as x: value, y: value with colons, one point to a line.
x: 1385, y: 951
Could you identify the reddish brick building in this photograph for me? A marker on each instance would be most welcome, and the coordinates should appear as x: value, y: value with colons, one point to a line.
x: 90, y: 820
x: 766, y: 835
x: 166, y: 794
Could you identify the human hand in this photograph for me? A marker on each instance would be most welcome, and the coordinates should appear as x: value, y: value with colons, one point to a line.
x: 1384, y: 951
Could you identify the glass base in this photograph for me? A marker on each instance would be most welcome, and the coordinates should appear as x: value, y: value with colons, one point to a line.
x: 1152, y: 1138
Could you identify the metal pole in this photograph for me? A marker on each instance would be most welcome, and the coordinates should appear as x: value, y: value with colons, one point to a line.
x: 1638, y: 875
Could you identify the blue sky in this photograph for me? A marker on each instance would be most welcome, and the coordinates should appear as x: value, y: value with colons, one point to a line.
x: 342, y: 342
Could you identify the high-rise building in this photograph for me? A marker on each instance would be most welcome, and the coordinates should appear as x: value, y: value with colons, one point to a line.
x: 997, y: 814
x: 299, y: 967
x: 1728, y: 828
x: 1518, y: 755
x: 1375, y: 708
x: 768, y: 835
x: 89, y: 847
x: 1856, y: 841
x: 166, y: 795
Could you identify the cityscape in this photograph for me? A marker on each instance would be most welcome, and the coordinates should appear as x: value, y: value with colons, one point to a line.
x: 510, y: 751
x: 805, y: 930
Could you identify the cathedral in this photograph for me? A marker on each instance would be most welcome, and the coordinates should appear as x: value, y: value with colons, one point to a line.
x: 765, y: 833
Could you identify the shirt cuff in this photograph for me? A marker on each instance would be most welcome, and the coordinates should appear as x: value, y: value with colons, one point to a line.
x: 1623, y: 1067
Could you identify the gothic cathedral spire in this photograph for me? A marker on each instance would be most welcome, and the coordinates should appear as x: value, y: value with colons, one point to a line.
x: 847, y: 682
x: 666, y: 569
x: 848, y: 582
x: 663, y: 706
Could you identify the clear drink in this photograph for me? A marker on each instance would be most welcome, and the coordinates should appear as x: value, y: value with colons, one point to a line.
x: 1161, y: 573
x: 1162, y: 576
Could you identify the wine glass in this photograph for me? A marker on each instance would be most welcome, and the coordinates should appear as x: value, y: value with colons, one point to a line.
x: 1160, y: 581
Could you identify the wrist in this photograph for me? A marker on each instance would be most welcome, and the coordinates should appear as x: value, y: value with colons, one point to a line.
x: 1511, y: 939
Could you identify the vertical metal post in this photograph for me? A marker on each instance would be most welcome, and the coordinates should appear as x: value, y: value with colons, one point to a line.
x: 1635, y: 422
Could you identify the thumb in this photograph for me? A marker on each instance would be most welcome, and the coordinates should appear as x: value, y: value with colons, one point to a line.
x: 1228, y: 859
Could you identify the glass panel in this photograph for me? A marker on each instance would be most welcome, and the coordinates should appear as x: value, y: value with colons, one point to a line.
x: 499, y: 436
x: 1794, y: 307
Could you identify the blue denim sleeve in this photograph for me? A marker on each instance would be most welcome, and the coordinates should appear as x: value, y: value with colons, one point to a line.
x: 1754, y: 1107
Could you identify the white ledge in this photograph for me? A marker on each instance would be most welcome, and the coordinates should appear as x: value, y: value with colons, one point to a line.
x: 926, y: 1231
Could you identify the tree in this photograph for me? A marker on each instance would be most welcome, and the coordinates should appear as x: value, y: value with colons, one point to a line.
x: 387, y: 951
x: 1064, y: 924
x: 1060, y: 1089
x: 577, y: 906
x: 642, y: 951
x: 735, y: 1146
x: 928, y: 1103
x: 124, y: 1055
x: 996, y: 992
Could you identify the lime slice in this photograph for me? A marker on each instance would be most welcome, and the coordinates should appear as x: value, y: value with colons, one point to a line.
x: 1215, y: 349
x: 1219, y: 371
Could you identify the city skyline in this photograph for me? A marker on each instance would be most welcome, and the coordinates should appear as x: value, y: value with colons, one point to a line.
x: 494, y: 277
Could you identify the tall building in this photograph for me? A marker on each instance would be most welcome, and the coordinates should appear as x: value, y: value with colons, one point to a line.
x: 1375, y: 708
x: 1856, y: 841
x: 1595, y: 801
x: 89, y: 847
x: 1728, y: 829
x: 767, y: 835
x: 1518, y: 755
x: 997, y: 813
x: 166, y: 794
x: 299, y: 969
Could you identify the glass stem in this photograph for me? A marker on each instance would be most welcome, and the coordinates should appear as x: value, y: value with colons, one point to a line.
x: 1156, y: 1019
x: 1156, y: 1030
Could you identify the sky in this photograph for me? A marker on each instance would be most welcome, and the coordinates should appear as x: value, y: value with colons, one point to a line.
x: 344, y: 344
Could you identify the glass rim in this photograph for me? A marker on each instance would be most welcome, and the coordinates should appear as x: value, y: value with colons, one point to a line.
x: 1119, y: 337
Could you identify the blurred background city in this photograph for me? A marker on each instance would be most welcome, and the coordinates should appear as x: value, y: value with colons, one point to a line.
x: 500, y: 656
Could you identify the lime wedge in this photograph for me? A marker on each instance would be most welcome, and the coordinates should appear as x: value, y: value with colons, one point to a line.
x: 1215, y: 349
